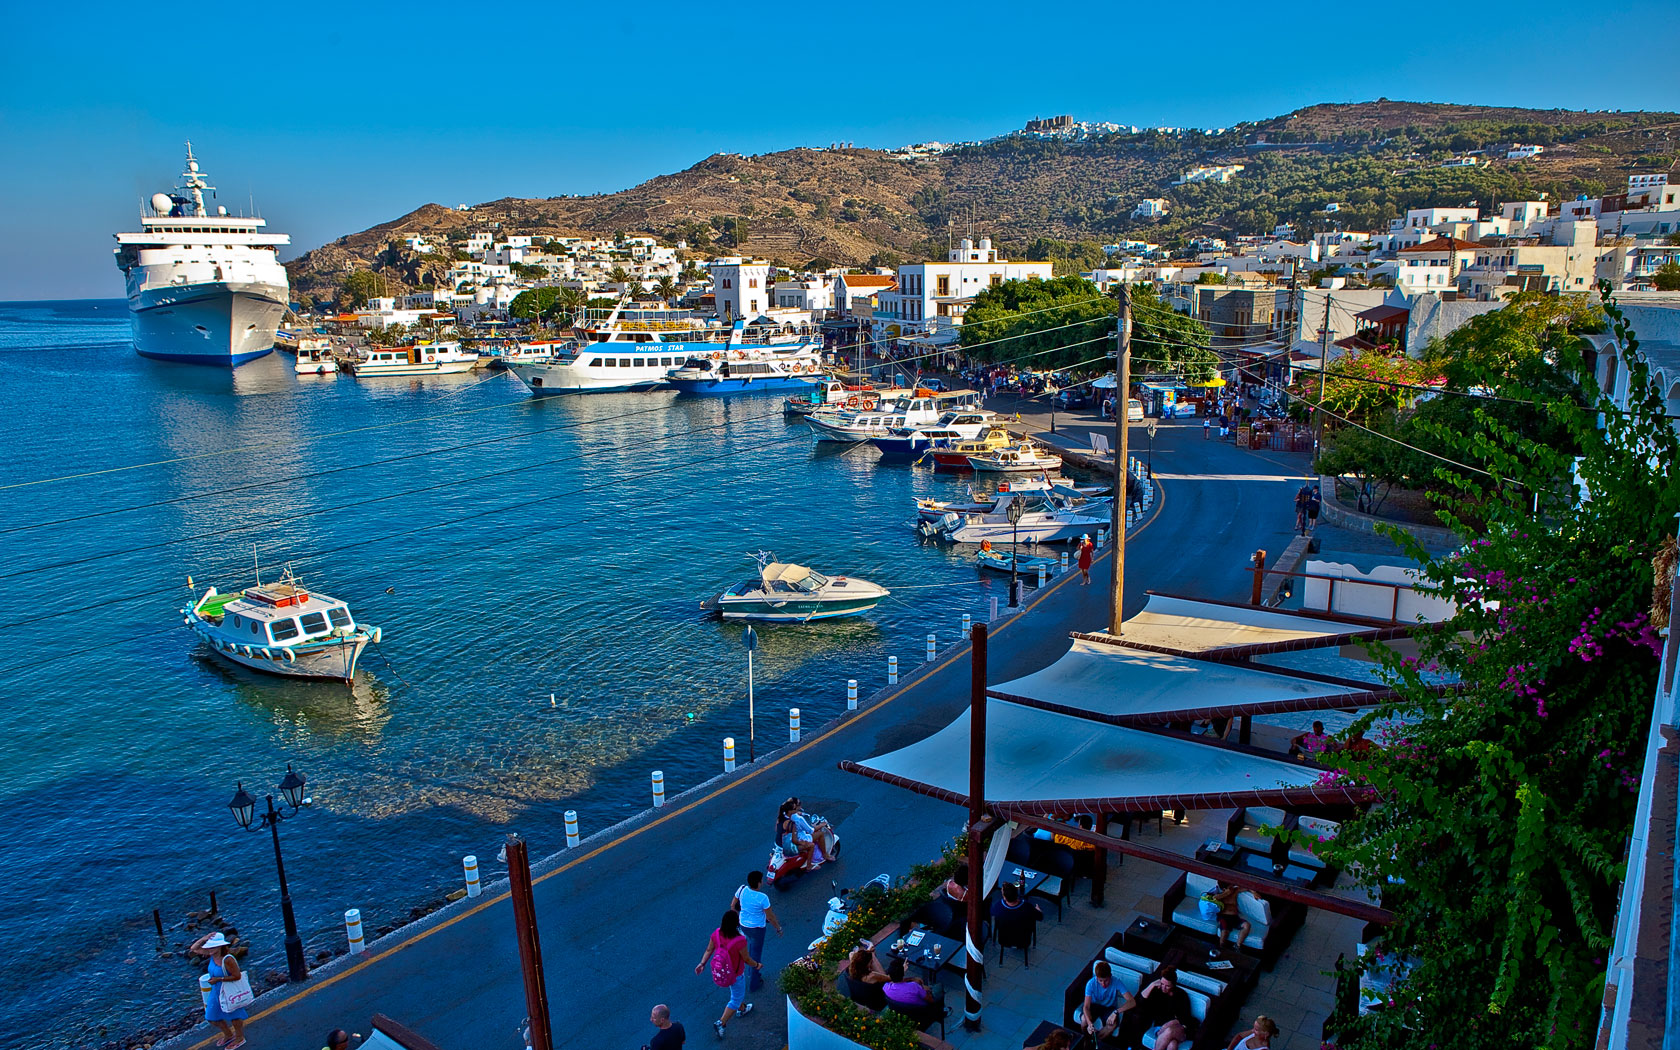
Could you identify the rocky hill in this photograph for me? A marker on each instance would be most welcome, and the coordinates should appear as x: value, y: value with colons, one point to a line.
x: 1372, y: 160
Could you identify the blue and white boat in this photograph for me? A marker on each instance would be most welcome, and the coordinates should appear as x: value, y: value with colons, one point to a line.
x: 281, y: 629
x: 738, y: 372
x: 949, y: 428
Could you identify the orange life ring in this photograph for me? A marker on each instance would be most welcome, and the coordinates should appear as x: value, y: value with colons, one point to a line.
x: 852, y: 402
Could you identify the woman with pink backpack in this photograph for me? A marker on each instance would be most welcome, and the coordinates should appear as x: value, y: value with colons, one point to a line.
x: 728, y: 956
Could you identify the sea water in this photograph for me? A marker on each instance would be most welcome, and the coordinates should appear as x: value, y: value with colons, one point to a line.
x: 537, y: 568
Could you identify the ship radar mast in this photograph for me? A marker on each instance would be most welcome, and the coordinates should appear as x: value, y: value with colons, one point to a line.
x: 194, y: 183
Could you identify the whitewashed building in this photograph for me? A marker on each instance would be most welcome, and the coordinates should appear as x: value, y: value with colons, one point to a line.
x: 740, y: 286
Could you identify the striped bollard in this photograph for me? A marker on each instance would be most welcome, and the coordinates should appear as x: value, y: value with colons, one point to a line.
x: 967, y: 625
x: 993, y: 616
x: 572, y: 838
x: 729, y: 754
x: 658, y: 788
x: 469, y: 864
x: 851, y: 694
x: 930, y: 648
x: 1102, y: 537
x: 892, y: 670
x: 1041, y: 575
x: 1064, y: 556
x: 793, y: 725
x: 353, y: 930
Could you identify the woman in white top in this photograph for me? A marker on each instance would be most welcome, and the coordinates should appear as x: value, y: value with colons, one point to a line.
x: 1257, y: 1038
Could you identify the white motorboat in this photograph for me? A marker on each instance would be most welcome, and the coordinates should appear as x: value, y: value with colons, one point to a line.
x: 1042, y: 521
x: 1020, y: 459
x: 429, y: 359
x: 282, y: 629
x: 631, y: 355
x: 921, y: 409
x: 315, y: 358
x: 795, y: 594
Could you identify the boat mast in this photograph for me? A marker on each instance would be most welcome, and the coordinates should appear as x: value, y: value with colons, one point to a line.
x: 195, y: 185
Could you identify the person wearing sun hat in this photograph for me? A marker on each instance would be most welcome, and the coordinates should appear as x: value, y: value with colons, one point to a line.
x: 224, y: 968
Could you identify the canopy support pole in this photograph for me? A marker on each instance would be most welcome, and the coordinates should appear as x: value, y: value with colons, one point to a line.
x: 1099, y: 864
x: 975, y: 974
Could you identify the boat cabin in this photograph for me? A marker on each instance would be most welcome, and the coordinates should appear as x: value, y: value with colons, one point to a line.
x: 791, y: 579
x: 281, y: 614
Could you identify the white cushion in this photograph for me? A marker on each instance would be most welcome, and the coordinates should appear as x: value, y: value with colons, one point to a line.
x: 1255, y: 909
x: 1190, y: 919
x: 1196, y: 885
x: 1116, y: 957
x: 1255, y: 816
x: 1253, y: 840
x: 1201, y: 982
x: 1314, y: 828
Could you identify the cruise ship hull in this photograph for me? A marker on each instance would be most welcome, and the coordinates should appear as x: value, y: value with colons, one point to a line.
x: 219, y: 323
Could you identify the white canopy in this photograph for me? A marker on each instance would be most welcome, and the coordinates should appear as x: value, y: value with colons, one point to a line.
x: 1185, y: 625
x: 1047, y: 763
x: 1141, y: 687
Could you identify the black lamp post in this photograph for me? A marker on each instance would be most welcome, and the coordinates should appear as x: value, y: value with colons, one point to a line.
x: 244, y: 808
x: 1014, y: 512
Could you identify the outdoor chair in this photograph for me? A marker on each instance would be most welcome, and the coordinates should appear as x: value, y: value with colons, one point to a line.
x: 938, y: 916
x: 869, y: 996
x: 1018, y: 929
x: 1059, y: 863
x: 1243, y: 830
x: 922, y: 1016
x: 1312, y: 829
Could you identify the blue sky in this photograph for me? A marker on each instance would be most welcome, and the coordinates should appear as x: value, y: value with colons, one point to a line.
x: 336, y: 117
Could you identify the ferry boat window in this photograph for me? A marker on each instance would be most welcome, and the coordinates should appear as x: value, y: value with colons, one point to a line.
x: 339, y: 615
x: 237, y: 622
x: 313, y: 622
x: 283, y: 629
x: 596, y: 363
x: 256, y: 628
x: 639, y: 362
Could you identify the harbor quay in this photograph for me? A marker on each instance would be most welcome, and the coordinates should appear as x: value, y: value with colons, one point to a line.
x: 624, y: 915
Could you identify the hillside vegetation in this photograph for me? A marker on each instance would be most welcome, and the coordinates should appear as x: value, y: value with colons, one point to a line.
x: 854, y: 206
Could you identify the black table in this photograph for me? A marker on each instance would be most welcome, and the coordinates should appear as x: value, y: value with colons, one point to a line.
x: 1027, y: 878
x: 1224, y: 858
x: 1144, y: 932
x: 928, y: 955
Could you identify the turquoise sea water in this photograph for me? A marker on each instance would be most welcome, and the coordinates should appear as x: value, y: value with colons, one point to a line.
x: 511, y: 549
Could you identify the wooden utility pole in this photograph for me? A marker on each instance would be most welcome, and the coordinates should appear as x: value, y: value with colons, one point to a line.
x: 1122, y: 429
x: 975, y: 973
x: 530, y: 951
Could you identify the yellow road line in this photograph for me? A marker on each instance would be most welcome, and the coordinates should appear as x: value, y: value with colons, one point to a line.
x: 416, y: 938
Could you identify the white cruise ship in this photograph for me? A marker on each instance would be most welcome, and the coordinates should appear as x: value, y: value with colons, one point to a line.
x: 202, y: 288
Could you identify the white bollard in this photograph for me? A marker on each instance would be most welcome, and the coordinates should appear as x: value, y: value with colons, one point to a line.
x: 1064, y: 557
x: 892, y: 670
x: 1102, y: 537
x: 851, y: 694
x: 993, y: 616
x: 572, y: 837
x: 793, y: 725
x: 968, y: 624
x: 1041, y: 576
x: 931, y: 648
x: 353, y: 930
x: 470, y: 864
x: 658, y: 788
x: 729, y: 754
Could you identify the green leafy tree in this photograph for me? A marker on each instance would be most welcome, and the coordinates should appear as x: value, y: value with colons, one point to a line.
x: 1505, y: 805
x: 1667, y: 277
x: 1066, y: 321
x: 534, y: 303
x: 619, y: 275
x: 666, y: 288
x: 358, y: 287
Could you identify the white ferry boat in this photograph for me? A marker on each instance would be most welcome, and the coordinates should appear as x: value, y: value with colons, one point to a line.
x: 740, y: 372
x: 202, y: 288
x: 431, y: 359
x: 282, y: 629
x: 620, y: 355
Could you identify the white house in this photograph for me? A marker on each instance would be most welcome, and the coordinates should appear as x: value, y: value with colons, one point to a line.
x: 1641, y: 183
x: 740, y: 286
x: 480, y: 242
x: 815, y: 295
x: 1150, y: 208
x: 1434, y: 265
x: 929, y: 296
x: 1518, y: 151
x: 855, y: 294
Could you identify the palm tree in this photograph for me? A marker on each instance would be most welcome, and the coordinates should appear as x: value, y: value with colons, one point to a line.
x: 666, y: 288
x: 569, y: 302
x: 619, y: 275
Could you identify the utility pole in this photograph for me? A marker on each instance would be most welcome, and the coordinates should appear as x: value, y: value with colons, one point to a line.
x: 1122, y: 428
x: 974, y: 972
x: 1323, y: 358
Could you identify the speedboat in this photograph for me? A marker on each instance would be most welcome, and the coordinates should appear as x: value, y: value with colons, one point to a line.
x: 1020, y: 458
x: 1042, y: 521
x: 788, y: 593
x: 1014, y: 561
x: 282, y: 629
x: 429, y: 359
x: 953, y: 455
x: 315, y: 360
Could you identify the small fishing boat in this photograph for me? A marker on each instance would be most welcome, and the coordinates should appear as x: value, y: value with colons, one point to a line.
x: 315, y: 361
x: 429, y: 359
x: 1026, y: 564
x: 1020, y: 458
x: 281, y: 629
x: 831, y: 394
x: 1042, y: 521
x: 921, y: 408
x: 953, y: 455
x: 788, y: 593
x: 911, y: 442
x: 521, y: 353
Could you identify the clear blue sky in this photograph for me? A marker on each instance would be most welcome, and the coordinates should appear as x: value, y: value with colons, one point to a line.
x: 334, y: 117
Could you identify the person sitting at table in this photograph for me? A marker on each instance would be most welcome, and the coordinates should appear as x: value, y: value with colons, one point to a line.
x: 861, y: 967
x: 1161, y: 1002
x: 955, y: 890
x: 1014, y: 919
x: 911, y: 996
x: 1306, y: 745
x: 1258, y: 1037
x: 1103, y: 1004
x: 1230, y: 917
x: 1357, y: 745
x: 1084, y: 821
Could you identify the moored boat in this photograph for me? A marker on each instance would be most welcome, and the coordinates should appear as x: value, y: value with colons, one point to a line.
x: 428, y: 359
x: 283, y: 629
x: 954, y: 455
x: 1023, y: 458
x: 315, y: 360
x: 788, y: 593
x: 911, y: 442
x: 738, y: 372
x: 921, y: 408
x: 831, y: 394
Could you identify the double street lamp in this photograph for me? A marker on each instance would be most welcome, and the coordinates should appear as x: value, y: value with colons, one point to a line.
x: 1014, y: 512
x: 244, y: 811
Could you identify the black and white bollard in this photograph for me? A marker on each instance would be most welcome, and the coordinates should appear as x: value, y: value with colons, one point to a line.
x: 851, y: 694
x: 931, y: 647
x: 353, y: 930
x: 729, y: 754
x: 469, y: 864
x: 658, y: 788
x: 793, y: 725
x: 572, y: 837
x: 1102, y: 537
x: 892, y: 670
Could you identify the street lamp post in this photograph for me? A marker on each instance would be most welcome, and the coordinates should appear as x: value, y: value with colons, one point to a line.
x: 1014, y: 512
x: 244, y: 808
x: 750, y: 640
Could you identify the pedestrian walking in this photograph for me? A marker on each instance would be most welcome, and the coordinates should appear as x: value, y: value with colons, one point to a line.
x: 753, y: 905
x: 1207, y: 427
x: 1302, y: 497
x: 337, y: 1039
x: 1313, y: 504
x: 670, y: 1035
x: 726, y: 952
x: 230, y: 990
x: 1087, y: 550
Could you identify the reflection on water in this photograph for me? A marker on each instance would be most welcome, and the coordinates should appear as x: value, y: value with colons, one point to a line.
x: 329, y: 710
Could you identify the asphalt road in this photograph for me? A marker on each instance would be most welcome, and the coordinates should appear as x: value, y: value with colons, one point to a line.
x: 625, y: 917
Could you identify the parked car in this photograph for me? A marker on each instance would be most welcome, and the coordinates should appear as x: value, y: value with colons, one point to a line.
x: 1074, y: 397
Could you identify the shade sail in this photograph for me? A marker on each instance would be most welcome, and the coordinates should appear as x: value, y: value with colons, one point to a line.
x: 1215, y: 630
x: 1061, y: 765
x: 1140, y: 687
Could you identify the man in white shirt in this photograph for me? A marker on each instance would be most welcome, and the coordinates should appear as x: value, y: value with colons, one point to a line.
x: 754, y: 906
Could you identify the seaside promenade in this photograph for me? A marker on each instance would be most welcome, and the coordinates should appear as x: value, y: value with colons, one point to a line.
x: 624, y: 917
